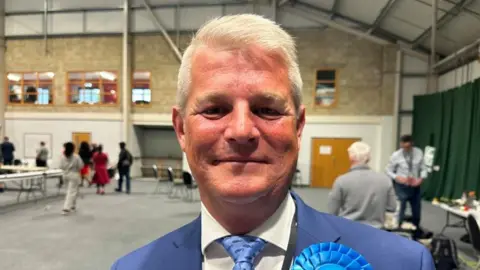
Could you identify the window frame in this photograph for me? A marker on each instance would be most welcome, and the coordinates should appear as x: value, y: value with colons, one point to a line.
x: 132, y: 85
x: 335, y: 83
x: 22, y: 84
x: 100, y: 82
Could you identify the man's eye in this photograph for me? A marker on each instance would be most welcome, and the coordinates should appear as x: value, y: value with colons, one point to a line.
x: 267, y: 112
x: 214, y: 113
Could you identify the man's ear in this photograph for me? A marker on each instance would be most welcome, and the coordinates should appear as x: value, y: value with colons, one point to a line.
x: 178, y: 125
x: 300, y: 122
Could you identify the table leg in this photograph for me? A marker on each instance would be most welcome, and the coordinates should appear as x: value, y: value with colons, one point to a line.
x: 20, y: 191
x: 447, y: 222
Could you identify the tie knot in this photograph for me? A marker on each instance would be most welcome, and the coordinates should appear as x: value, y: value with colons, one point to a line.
x: 242, y: 249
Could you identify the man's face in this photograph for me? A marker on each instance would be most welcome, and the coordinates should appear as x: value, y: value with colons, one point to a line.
x: 406, y: 145
x: 239, y: 129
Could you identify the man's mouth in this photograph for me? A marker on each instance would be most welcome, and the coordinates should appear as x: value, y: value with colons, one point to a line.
x: 243, y: 160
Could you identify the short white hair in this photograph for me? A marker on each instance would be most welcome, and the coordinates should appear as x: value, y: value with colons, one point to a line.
x: 237, y: 31
x: 359, y: 152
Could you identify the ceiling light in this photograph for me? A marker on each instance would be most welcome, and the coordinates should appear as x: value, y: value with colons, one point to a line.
x: 14, y: 77
x: 108, y: 76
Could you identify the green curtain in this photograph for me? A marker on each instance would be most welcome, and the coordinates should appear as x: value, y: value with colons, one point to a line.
x: 450, y: 122
x: 426, y: 127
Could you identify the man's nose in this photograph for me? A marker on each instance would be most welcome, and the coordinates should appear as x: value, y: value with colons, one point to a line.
x: 241, y: 128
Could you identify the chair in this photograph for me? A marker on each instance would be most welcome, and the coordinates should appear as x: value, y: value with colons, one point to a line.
x: 158, y: 188
x: 190, y: 186
x: 297, y: 178
x: 473, y: 227
x: 175, y: 184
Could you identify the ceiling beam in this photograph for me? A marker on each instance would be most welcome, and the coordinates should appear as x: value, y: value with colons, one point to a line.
x: 472, y: 47
x: 308, y: 14
x: 383, y: 13
x: 162, y: 29
x: 210, y: 3
x: 444, y: 19
x: 334, y: 9
x: 282, y: 2
x: 466, y: 10
x: 378, y: 32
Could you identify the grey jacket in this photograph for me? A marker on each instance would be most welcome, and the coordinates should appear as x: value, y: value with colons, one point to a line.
x: 363, y: 195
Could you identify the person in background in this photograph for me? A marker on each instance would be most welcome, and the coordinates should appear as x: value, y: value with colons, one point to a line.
x: 7, y: 149
x: 362, y: 194
x: 42, y: 155
x: 100, y: 164
x: 85, y: 154
x: 125, y: 161
x: 407, y: 169
x: 94, y: 149
x: 71, y: 164
x: 2, y: 186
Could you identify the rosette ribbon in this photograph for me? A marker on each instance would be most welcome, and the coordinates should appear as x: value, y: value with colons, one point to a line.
x: 330, y: 256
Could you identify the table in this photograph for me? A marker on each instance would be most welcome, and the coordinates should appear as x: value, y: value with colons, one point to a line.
x: 457, y: 212
x: 31, y: 182
x: 22, y: 168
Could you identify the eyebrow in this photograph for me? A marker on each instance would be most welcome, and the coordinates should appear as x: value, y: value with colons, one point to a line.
x: 271, y: 97
x: 263, y: 96
x: 213, y: 97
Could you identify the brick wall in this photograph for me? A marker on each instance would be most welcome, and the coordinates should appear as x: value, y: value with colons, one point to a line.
x: 366, y: 81
x: 64, y: 54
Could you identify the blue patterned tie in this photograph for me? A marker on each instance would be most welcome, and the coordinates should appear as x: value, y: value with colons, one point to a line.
x: 243, y: 250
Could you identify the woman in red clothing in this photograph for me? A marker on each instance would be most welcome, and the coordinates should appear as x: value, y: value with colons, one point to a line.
x: 100, y: 163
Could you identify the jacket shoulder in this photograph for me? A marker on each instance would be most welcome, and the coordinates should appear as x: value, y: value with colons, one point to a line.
x: 156, y: 249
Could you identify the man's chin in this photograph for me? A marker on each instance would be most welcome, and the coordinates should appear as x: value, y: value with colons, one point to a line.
x: 243, y: 197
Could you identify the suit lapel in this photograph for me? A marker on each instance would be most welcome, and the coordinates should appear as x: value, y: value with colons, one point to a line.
x: 312, y: 227
x: 187, y: 253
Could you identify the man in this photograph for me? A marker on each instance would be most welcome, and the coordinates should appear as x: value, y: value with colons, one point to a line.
x: 7, y: 149
x: 125, y: 161
x: 42, y: 156
x: 239, y: 118
x: 361, y: 194
x: 407, y: 169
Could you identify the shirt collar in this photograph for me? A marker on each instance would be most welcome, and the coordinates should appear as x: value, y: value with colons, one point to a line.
x: 359, y: 167
x: 275, y: 230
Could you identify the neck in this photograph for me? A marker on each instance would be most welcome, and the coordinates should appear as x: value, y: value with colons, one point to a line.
x: 358, y: 164
x: 240, y: 219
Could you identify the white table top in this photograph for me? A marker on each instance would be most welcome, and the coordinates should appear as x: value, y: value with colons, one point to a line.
x: 456, y: 210
x: 22, y: 168
x: 30, y: 175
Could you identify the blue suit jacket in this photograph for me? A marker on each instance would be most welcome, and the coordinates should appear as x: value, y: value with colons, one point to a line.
x: 180, y: 249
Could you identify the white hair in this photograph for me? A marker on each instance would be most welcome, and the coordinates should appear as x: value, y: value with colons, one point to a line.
x: 359, y: 152
x: 237, y: 31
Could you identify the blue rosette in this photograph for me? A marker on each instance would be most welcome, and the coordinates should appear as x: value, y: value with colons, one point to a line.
x: 330, y: 256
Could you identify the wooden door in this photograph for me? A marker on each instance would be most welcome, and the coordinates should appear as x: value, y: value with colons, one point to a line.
x: 78, y: 137
x: 329, y: 159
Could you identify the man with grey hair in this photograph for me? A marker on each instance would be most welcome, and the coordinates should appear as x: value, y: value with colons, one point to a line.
x: 362, y: 194
x: 239, y: 118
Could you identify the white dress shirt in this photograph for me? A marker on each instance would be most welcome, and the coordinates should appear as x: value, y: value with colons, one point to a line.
x: 275, y: 231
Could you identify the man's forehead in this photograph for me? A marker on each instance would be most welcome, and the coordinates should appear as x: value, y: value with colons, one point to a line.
x: 255, y: 56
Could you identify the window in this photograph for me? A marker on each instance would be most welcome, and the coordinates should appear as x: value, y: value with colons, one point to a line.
x: 325, y: 94
x: 92, y: 88
x: 35, y: 88
x: 141, y: 92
